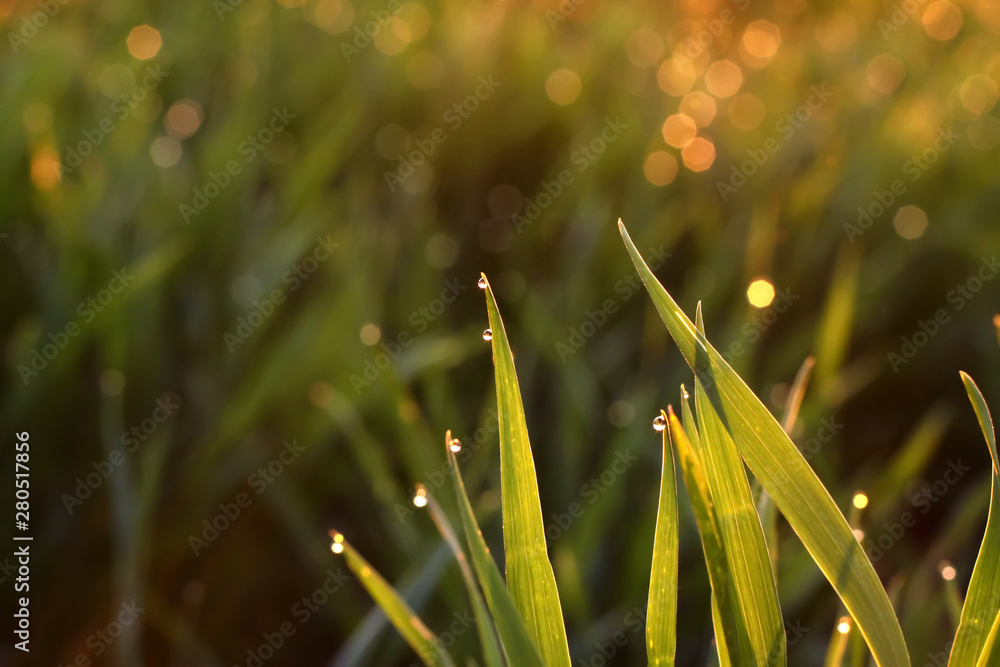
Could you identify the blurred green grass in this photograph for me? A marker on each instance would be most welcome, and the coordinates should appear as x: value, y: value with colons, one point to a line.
x: 325, y: 176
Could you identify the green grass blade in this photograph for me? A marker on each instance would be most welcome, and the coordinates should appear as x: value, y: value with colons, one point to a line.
x: 721, y: 652
x: 661, y: 612
x: 788, y: 479
x: 416, y: 634
x: 742, y: 540
x: 514, y: 639
x: 484, y: 624
x: 529, y: 573
x: 982, y: 601
x: 730, y: 626
x: 990, y: 656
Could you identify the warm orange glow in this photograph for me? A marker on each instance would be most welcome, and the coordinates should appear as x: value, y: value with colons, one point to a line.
x: 885, y: 73
x: 644, y: 47
x: 660, y: 168
x: 700, y: 107
x: 563, y: 86
x: 679, y: 129
x: 723, y: 78
x: 760, y: 41
x: 746, y: 111
x: 675, y: 76
x: 183, y: 119
x: 942, y: 20
x: 760, y: 293
x: 978, y: 94
x: 698, y: 154
x: 45, y: 169
x: 836, y: 31
x: 144, y: 42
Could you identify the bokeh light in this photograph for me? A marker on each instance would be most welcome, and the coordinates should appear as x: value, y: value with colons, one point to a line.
x: 723, y: 78
x: 183, y: 119
x: 644, y: 47
x: 679, y: 129
x: 698, y: 154
x: 676, y: 76
x: 144, y: 42
x: 760, y: 43
x: 942, y: 20
x: 760, y: 293
x: 910, y: 222
x: 660, y: 168
x: 563, y: 86
x: 746, y: 111
x: 699, y: 107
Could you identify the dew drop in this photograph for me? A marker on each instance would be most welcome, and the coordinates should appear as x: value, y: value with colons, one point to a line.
x: 686, y: 395
x: 420, y: 497
x: 659, y: 424
x: 455, y: 445
x: 488, y: 334
x: 482, y: 282
x: 338, y: 542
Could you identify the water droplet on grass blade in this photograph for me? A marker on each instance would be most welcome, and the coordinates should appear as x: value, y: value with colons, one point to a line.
x: 482, y: 282
x: 488, y: 334
x: 338, y: 542
x: 659, y: 424
x: 455, y: 445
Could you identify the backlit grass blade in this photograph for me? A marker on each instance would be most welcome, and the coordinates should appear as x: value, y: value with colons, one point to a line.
x: 990, y: 656
x: 730, y: 626
x: 742, y: 540
x: 416, y: 634
x: 514, y: 639
x: 529, y: 573
x: 709, y: 524
x: 837, y: 647
x: 788, y: 479
x: 765, y: 506
x: 982, y: 601
x: 661, y: 612
x: 484, y: 624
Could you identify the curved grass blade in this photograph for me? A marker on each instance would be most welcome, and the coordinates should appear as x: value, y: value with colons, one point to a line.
x: 484, y: 624
x: 661, y: 612
x: 788, y: 479
x: 742, y: 540
x: 694, y: 439
x: 730, y: 626
x: 982, y: 601
x: 991, y: 649
x: 514, y: 639
x: 529, y: 573
x: 416, y: 634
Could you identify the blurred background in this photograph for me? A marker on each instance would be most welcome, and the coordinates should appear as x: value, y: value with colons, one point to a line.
x: 239, y: 245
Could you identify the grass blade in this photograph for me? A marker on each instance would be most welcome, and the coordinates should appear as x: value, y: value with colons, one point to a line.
x: 730, y: 626
x: 661, y: 612
x: 484, y: 624
x: 416, y: 634
x: 742, y: 540
x: 991, y: 649
x: 787, y: 478
x: 982, y: 601
x: 514, y: 639
x: 529, y: 573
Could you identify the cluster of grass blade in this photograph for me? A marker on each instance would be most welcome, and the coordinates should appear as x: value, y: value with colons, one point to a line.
x: 519, y: 618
